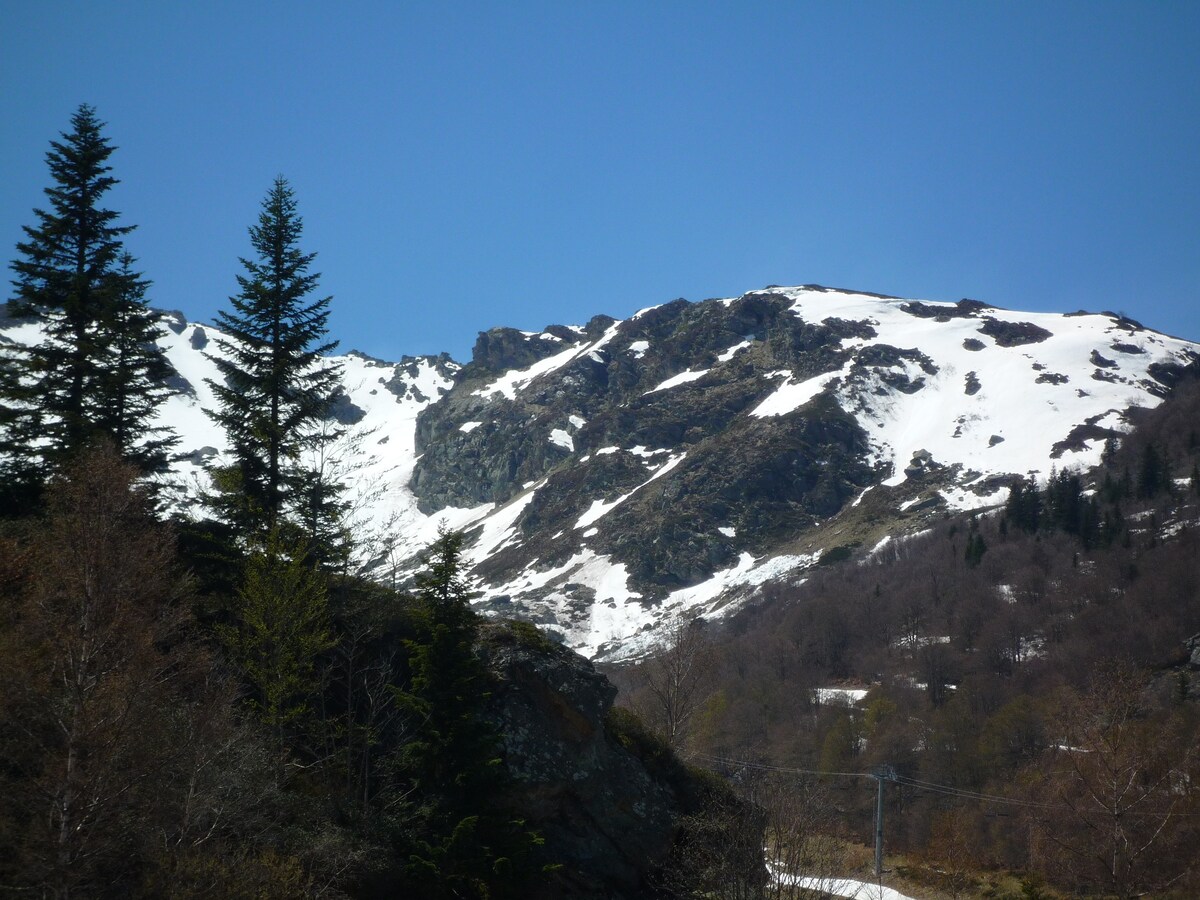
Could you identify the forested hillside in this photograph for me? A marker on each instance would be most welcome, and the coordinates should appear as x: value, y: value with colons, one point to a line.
x: 1030, y: 676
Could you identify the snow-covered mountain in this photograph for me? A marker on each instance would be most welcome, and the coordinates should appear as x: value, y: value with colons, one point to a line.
x: 615, y: 475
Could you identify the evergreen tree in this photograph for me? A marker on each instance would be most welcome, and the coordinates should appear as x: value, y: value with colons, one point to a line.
x: 1154, y: 473
x: 275, y: 387
x: 321, y: 499
x: 1024, y: 506
x: 458, y: 841
x: 20, y: 477
x: 133, y: 373
x: 976, y: 547
x: 74, y: 275
x: 280, y: 629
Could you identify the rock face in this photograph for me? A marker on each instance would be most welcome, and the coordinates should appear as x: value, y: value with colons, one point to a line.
x: 630, y: 463
x: 613, y: 476
x: 759, y: 477
x: 604, y: 815
x: 612, y: 394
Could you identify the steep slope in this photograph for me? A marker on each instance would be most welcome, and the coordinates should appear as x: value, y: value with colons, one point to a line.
x: 620, y: 473
x: 675, y: 460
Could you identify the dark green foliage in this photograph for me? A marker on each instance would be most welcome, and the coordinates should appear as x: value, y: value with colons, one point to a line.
x: 632, y: 734
x: 97, y: 371
x: 63, y: 274
x: 1154, y: 473
x: 1068, y: 509
x: 1024, y: 506
x: 20, y: 474
x: 275, y: 388
x: 529, y: 635
x: 458, y: 840
x: 133, y: 373
x: 279, y: 632
x: 976, y: 547
x: 320, y: 501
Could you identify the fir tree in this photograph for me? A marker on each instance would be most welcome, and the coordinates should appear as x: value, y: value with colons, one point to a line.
x: 280, y: 629
x: 1154, y: 475
x: 458, y: 841
x: 74, y: 274
x: 1024, y: 506
x: 133, y: 374
x: 20, y: 478
x: 976, y: 547
x: 275, y: 387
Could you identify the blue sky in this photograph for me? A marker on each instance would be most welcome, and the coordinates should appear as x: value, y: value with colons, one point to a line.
x: 464, y: 165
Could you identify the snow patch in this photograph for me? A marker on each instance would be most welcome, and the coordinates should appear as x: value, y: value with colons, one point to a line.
x: 840, y: 696
x: 729, y: 354
x: 837, y: 887
x: 791, y: 395
x: 676, y: 380
x: 600, y: 508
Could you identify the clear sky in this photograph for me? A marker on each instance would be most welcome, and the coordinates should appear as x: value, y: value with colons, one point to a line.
x: 461, y: 165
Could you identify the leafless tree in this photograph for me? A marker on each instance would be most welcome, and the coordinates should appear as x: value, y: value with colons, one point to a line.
x: 1118, y: 792
x: 677, y: 679
x: 800, y: 837
x: 92, y: 679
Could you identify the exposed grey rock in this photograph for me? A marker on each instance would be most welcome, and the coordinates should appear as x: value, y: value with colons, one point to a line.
x: 343, y: 411
x: 1086, y: 432
x: 1127, y: 348
x: 1013, y: 334
x: 408, y: 368
x: 604, y: 814
x: 763, y: 477
x: 174, y: 319
x: 1052, y: 378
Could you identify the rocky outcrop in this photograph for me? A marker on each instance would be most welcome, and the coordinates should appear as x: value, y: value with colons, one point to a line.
x: 757, y: 478
x: 607, y: 809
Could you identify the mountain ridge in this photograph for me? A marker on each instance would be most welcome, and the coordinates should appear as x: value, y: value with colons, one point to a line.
x: 616, y: 475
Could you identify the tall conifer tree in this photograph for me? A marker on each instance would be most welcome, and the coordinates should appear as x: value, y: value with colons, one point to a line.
x: 74, y: 274
x: 275, y: 386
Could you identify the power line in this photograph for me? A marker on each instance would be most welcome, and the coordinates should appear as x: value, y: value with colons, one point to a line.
x: 917, y: 784
x: 745, y: 764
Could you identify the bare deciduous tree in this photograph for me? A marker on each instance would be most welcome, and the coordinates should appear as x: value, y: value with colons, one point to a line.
x: 1118, y: 791
x: 677, y: 678
x: 91, y: 683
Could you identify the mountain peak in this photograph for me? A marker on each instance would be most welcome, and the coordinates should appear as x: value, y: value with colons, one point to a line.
x: 616, y: 475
